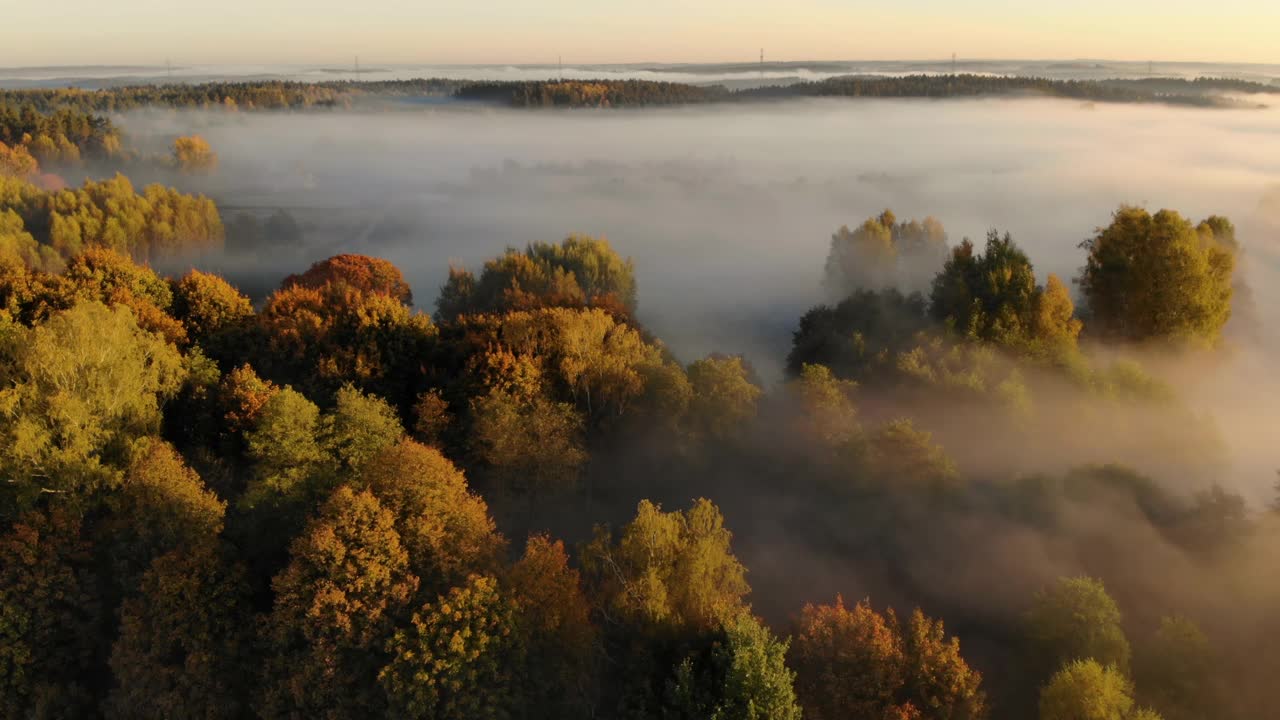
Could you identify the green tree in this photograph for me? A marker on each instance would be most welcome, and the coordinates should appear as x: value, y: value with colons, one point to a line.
x: 724, y: 398
x: 745, y: 677
x: 359, y: 427
x: 1086, y: 690
x: 1154, y: 277
x: 993, y: 297
x: 290, y: 463
x: 1077, y: 620
x: 1176, y: 671
x: 335, y: 606
x: 86, y: 384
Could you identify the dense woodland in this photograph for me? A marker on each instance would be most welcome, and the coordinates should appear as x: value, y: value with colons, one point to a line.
x: 523, y: 505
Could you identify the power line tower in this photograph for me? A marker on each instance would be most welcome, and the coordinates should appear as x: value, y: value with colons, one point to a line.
x: 357, y: 68
x: 953, y: 63
x: 168, y: 69
x: 560, y: 67
x: 761, y: 63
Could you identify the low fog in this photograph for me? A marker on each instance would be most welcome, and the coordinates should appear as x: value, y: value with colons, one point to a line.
x: 727, y: 212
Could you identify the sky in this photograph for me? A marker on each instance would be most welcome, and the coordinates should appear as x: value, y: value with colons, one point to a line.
x: 147, y: 32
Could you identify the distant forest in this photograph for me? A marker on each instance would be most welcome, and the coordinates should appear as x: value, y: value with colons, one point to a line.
x: 280, y: 95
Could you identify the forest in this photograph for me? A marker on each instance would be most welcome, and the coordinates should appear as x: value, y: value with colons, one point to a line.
x: 505, y: 497
x: 605, y: 93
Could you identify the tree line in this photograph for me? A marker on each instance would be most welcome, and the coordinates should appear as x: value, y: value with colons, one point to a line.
x: 609, y: 93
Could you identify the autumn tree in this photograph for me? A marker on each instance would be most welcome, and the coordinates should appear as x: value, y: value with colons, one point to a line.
x: 161, y: 506
x: 445, y: 529
x: 672, y: 569
x: 825, y: 405
x: 901, y: 458
x: 864, y: 258
x: 185, y: 647
x: 49, y: 618
x: 193, y: 155
x: 458, y: 656
x: 1155, y: 277
x: 884, y: 253
x: 319, y: 339
x: 580, y: 271
x: 209, y: 308
x: 361, y: 272
x: 556, y: 631
x: 849, y: 662
x: 530, y: 445
x: 335, y: 608
x: 856, y: 662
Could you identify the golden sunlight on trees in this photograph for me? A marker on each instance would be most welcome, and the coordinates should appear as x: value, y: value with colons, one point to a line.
x: 1156, y: 277
x: 667, y: 568
x: 856, y: 662
x: 192, y: 155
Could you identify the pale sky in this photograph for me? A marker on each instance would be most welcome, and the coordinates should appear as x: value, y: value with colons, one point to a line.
x: 68, y: 32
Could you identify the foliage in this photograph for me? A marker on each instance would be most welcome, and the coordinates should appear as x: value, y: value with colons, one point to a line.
x: 110, y: 213
x: 745, y: 677
x: 48, y: 618
x: 86, y: 384
x: 192, y: 155
x: 361, y: 272
x: 555, y: 630
x: 185, y: 643
x: 446, y: 530
x: 723, y: 397
x: 1086, y: 690
x: 856, y: 662
x: 581, y: 271
x: 883, y: 253
x: 672, y: 569
x: 456, y: 658
x: 1155, y: 277
x: 1077, y: 620
x: 334, y: 611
